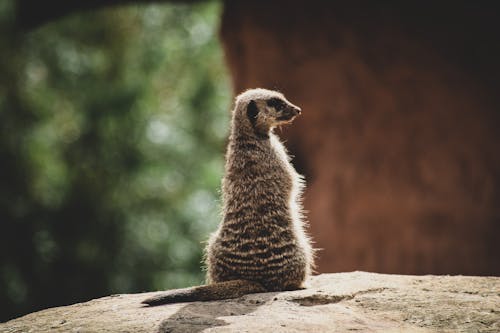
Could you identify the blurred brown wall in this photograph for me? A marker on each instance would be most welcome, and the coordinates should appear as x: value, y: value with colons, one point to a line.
x: 399, y: 138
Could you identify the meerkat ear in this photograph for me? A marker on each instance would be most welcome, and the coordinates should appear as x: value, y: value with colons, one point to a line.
x: 252, y: 112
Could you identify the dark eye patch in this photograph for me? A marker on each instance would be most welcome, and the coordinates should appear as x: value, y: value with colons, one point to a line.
x: 252, y: 112
x: 276, y: 103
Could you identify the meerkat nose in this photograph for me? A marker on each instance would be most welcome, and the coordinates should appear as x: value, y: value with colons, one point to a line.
x: 299, y: 111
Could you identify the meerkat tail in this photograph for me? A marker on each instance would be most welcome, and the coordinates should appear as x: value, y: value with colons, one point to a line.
x: 209, y: 292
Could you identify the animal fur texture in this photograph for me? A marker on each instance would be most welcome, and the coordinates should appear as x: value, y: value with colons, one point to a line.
x: 260, y: 244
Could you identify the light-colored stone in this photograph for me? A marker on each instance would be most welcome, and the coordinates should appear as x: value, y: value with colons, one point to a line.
x: 342, y: 302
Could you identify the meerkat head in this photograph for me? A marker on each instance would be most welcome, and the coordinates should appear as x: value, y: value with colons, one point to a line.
x: 265, y: 109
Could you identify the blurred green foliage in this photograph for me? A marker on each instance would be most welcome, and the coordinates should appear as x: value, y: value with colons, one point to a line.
x: 112, y: 130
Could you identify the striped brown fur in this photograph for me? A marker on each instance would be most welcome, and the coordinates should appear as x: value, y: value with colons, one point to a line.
x: 260, y: 244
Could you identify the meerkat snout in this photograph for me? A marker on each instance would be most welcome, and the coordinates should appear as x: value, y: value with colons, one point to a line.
x: 296, y: 110
x: 289, y: 113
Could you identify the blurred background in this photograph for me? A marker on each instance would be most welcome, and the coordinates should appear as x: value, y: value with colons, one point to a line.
x: 112, y: 131
x: 114, y: 116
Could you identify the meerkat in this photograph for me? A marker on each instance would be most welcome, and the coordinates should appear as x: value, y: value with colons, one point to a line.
x: 260, y: 244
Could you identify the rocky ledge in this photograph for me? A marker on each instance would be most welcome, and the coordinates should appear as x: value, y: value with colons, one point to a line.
x: 341, y: 302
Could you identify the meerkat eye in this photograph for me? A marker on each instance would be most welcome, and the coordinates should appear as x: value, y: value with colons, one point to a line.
x: 276, y: 103
x: 252, y: 112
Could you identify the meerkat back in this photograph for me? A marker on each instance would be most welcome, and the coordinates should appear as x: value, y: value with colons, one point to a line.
x: 261, y: 236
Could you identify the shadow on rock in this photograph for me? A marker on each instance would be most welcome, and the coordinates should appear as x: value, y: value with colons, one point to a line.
x: 195, y: 317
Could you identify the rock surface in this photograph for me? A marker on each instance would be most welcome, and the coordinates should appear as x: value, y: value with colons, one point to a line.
x: 342, y: 302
